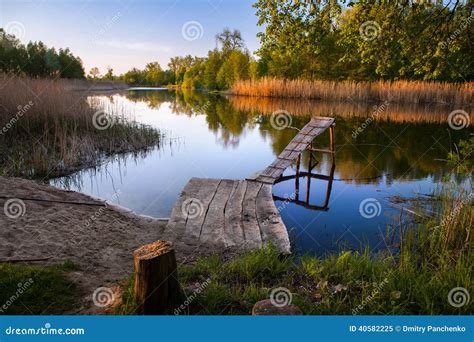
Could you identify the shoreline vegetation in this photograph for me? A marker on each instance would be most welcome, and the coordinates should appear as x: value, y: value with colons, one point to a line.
x: 414, y: 275
x: 423, y: 262
x: 410, y: 92
x: 49, y: 130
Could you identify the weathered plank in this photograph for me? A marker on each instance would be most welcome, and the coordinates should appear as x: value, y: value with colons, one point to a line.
x: 273, y: 229
x: 213, y: 227
x: 234, y: 230
x: 253, y: 238
x: 300, y: 142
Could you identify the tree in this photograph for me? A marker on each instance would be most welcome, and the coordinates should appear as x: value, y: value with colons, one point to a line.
x: 230, y: 40
x: 154, y: 73
x: 94, y: 73
x: 109, y: 75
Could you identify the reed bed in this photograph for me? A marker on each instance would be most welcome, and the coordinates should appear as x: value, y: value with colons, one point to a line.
x: 395, y: 112
x: 397, y: 91
x: 47, y: 130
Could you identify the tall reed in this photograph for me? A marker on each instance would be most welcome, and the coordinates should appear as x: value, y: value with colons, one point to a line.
x: 396, y: 91
x: 48, y: 130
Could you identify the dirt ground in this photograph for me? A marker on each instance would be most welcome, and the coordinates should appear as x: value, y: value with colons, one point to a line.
x: 100, y: 238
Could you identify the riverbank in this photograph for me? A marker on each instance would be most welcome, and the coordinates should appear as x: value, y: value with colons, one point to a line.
x: 419, y: 92
x: 47, y: 129
x: 56, y: 226
x: 426, y: 270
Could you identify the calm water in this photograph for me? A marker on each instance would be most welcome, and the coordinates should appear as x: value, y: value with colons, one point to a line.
x: 217, y: 137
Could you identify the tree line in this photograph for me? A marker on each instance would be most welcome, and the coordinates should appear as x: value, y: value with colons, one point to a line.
x: 335, y: 40
x: 311, y: 40
x: 228, y: 62
x: 35, y: 59
x: 367, y: 40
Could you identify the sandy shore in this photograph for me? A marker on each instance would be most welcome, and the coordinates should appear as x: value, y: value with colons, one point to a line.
x: 100, y: 239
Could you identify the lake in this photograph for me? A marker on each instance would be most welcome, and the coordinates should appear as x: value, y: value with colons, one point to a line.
x: 383, y: 152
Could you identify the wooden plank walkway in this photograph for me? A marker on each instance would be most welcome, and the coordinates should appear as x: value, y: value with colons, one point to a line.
x: 300, y: 142
x: 239, y: 213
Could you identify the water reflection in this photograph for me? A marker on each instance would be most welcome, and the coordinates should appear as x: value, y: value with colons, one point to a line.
x: 398, y: 154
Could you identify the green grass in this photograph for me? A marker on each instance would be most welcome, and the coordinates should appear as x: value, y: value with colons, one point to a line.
x: 28, y: 290
x: 414, y: 277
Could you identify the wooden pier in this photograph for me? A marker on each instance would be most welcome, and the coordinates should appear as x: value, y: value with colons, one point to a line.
x: 242, y: 213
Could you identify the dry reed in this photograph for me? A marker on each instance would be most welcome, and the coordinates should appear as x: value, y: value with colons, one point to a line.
x: 396, y: 91
x: 395, y: 112
x: 46, y: 130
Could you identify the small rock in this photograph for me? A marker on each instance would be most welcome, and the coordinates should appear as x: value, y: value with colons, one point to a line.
x: 266, y: 308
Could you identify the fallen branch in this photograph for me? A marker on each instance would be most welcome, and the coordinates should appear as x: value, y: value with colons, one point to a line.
x: 55, y: 201
x: 12, y: 261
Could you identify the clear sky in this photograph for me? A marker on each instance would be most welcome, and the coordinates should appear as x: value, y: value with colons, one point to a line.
x: 126, y: 33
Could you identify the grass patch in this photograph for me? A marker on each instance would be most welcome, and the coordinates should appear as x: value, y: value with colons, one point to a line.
x: 35, y: 290
x: 414, y: 277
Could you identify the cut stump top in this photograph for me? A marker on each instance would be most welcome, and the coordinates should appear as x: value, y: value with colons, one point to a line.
x: 153, y: 250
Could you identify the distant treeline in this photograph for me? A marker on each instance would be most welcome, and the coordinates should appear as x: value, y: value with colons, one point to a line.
x: 223, y: 66
x: 336, y: 40
x: 307, y: 40
x: 35, y: 59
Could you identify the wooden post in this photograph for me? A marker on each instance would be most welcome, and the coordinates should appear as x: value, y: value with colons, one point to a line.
x: 297, y: 178
x: 332, y: 142
x: 310, y: 167
x: 157, y: 290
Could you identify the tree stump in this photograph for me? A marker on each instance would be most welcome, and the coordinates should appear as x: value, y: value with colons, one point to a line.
x: 157, y: 289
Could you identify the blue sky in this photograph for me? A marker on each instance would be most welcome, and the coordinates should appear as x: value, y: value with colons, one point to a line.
x: 126, y: 33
